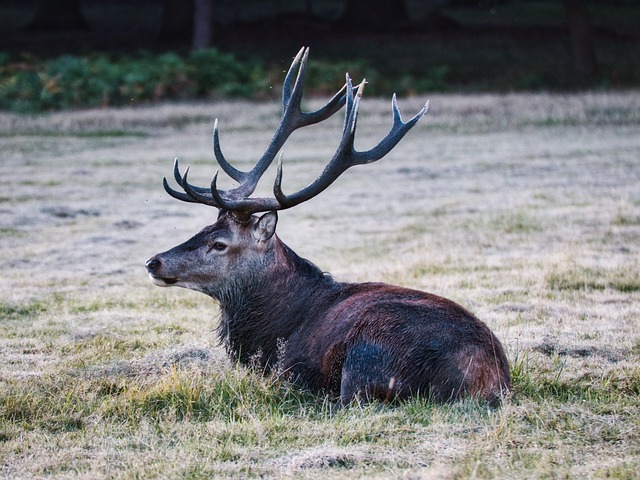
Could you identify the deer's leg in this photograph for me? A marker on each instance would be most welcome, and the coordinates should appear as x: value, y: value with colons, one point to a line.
x: 368, y: 372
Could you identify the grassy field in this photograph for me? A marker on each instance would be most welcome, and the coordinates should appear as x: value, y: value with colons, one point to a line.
x: 523, y: 208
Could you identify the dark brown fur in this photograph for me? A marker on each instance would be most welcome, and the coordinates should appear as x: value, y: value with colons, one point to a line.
x: 370, y: 339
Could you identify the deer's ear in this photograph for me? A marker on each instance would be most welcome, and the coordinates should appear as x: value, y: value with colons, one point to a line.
x: 265, y: 227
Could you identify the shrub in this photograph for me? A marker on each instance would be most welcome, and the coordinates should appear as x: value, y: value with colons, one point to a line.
x: 29, y: 85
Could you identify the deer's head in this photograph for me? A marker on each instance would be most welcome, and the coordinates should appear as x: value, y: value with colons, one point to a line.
x: 217, y: 256
x: 240, y: 242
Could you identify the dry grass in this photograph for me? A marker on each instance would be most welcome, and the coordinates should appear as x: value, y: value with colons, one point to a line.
x: 524, y: 208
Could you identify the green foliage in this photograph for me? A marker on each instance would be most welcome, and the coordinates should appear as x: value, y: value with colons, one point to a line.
x: 216, y: 73
x: 70, y: 81
x: 435, y: 78
x: 31, y: 85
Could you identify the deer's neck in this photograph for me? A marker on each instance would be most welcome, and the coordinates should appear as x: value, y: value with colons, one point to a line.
x: 263, y: 310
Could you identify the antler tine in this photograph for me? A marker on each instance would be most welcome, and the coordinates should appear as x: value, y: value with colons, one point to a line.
x: 215, y: 195
x: 398, y: 130
x: 196, y: 192
x: 179, y: 179
x: 338, y: 164
x: 350, y: 119
x: 175, y: 194
x: 291, y: 90
x: 346, y: 156
x: 292, y: 96
x: 229, y: 169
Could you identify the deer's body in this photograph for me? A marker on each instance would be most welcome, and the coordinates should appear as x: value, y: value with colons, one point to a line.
x: 369, y: 339
x: 345, y: 339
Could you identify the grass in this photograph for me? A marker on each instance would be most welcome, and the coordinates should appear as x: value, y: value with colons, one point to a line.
x: 531, y: 224
x: 625, y: 279
x: 251, y: 423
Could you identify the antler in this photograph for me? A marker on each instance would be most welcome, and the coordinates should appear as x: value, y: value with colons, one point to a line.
x: 346, y: 155
x: 238, y: 200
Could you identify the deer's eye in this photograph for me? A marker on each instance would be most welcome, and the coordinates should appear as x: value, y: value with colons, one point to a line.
x: 218, y: 246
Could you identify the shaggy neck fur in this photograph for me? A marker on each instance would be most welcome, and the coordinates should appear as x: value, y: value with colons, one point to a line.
x: 271, y: 302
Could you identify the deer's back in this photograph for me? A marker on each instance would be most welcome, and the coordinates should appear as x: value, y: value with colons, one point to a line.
x: 399, y: 342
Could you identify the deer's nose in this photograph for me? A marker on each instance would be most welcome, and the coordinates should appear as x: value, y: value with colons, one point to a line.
x: 153, y: 264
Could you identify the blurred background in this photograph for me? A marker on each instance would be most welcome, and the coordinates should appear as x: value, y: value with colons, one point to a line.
x: 57, y: 54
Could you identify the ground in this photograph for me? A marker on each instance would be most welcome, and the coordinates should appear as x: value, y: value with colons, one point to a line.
x: 523, y: 208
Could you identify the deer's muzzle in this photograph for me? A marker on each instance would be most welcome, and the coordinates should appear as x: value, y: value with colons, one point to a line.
x: 154, y: 269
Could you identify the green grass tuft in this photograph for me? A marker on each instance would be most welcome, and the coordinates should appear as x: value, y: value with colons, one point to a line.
x: 624, y: 279
x: 25, y: 311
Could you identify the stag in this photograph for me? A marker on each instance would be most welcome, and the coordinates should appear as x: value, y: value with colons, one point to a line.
x: 352, y: 340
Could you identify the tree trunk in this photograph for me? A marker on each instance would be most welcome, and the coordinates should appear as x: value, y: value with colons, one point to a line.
x: 584, y: 57
x: 202, y: 24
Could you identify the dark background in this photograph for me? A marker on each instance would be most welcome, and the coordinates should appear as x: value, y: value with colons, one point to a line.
x: 479, y: 44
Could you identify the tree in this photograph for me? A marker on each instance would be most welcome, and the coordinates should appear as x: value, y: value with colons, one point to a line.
x: 584, y: 57
x: 202, y: 24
